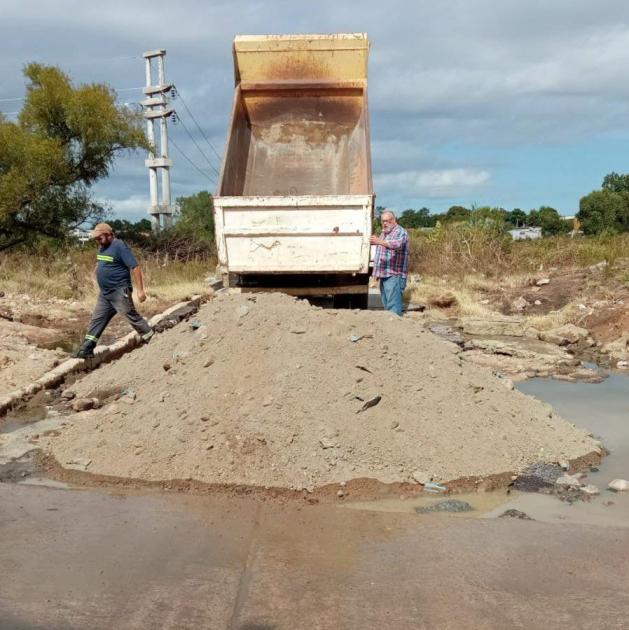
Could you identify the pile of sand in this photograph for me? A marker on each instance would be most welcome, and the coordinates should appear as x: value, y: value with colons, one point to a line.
x: 267, y: 390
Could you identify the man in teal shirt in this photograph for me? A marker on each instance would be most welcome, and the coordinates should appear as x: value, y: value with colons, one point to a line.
x: 115, y: 265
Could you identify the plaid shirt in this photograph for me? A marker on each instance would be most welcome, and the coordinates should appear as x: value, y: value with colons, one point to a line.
x: 392, y: 262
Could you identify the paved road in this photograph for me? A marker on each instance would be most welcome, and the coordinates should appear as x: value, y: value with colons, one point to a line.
x: 88, y: 559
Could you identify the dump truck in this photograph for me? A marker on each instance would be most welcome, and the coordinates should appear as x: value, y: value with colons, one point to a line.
x: 294, y: 206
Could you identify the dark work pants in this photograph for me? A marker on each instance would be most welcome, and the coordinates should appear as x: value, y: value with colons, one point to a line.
x: 107, y: 305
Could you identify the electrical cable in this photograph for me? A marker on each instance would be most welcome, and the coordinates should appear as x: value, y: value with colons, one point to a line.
x: 197, y: 124
x: 191, y: 162
x: 196, y: 144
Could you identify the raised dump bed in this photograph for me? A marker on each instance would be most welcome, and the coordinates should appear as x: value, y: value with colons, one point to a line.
x: 295, y: 201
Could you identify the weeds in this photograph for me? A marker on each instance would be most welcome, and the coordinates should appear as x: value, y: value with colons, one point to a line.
x: 67, y: 273
x: 459, y: 249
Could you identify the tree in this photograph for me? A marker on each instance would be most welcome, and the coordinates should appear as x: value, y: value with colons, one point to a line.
x: 416, y: 218
x: 516, y: 218
x: 550, y: 221
x: 137, y: 232
x: 614, y: 182
x: 65, y: 139
x: 195, y: 216
x: 603, y: 210
x: 458, y: 213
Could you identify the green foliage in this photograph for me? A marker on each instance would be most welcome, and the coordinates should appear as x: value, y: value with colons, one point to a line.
x: 417, y: 218
x: 195, y: 216
x: 614, y: 182
x: 549, y: 220
x: 603, y: 210
x: 137, y: 232
x: 457, y: 213
x: 65, y: 139
x: 517, y: 217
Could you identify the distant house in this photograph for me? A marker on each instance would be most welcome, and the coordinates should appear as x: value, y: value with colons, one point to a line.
x: 83, y: 236
x: 524, y: 233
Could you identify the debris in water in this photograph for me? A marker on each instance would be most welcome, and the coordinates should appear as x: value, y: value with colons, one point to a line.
x: 449, y: 505
x: 516, y: 514
x: 434, y: 488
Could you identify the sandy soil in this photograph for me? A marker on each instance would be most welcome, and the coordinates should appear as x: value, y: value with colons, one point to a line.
x: 269, y: 391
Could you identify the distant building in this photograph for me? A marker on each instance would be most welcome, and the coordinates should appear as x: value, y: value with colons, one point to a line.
x: 524, y: 233
x: 83, y: 236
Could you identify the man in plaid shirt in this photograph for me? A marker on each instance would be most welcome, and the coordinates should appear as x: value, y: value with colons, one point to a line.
x: 390, y: 263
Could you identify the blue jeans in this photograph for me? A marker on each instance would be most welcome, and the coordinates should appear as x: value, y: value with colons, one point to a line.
x: 391, y: 290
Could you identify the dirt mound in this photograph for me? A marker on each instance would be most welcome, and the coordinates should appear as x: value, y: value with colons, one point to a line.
x: 267, y: 390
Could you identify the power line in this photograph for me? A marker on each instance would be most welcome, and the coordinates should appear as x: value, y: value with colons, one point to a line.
x: 196, y: 144
x: 198, y: 126
x: 191, y: 162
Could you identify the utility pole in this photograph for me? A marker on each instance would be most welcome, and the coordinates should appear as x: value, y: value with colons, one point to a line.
x: 156, y: 110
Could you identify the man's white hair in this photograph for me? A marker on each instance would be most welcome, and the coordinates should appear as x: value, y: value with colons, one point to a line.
x: 387, y: 211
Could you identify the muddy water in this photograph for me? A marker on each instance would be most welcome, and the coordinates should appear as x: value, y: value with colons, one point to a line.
x: 603, y: 409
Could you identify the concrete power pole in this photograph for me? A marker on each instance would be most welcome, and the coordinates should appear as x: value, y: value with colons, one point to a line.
x: 156, y: 110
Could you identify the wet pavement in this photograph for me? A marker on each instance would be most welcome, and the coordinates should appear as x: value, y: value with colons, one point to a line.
x: 91, y: 559
x: 75, y: 558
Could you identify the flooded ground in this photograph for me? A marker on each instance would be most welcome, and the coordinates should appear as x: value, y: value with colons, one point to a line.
x: 603, y: 408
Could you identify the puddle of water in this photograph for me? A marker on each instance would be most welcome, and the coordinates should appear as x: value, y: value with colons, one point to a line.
x: 482, y: 502
x: 603, y: 409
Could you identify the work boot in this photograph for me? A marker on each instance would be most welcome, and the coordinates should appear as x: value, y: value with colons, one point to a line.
x: 148, y: 336
x: 86, y: 351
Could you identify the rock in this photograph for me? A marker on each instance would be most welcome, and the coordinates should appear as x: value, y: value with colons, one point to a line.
x: 79, y: 463
x: 421, y: 477
x: 449, y: 505
x: 538, y: 476
x: 618, y: 350
x: 372, y: 402
x: 483, y: 326
x: 340, y: 494
x: 298, y: 331
x: 448, y: 333
x: 622, y: 365
x: 564, y: 335
x: 598, y: 266
x: 590, y: 489
x: 327, y: 442
x: 166, y: 366
x: 519, y: 304
x: 83, y: 404
x: 242, y: 310
x: 395, y: 424
x: 445, y: 300
x: 542, y: 281
x: 208, y: 363
x: 568, y: 481
x: 537, y: 303
x: 619, y: 485
x: 515, y: 514
x: 68, y: 394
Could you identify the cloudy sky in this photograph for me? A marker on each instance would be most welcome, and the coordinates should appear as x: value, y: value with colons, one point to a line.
x: 500, y: 102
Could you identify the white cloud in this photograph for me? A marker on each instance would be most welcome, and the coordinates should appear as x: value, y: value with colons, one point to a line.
x: 433, y: 183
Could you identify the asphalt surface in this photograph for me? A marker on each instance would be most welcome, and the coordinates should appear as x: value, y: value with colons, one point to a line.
x: 91, y: 559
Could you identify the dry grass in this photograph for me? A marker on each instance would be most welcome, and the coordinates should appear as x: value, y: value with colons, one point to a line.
x: 68, y: 275
x: 460, y: 249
